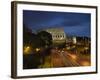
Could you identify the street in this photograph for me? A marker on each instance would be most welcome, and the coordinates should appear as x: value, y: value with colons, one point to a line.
x: 63, y: 58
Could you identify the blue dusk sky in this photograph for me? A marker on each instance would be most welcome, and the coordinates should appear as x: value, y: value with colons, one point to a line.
x: 77, y: 24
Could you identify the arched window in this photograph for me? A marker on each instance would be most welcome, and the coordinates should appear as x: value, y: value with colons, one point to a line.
x: 61, y: 36
x: 56, y: 36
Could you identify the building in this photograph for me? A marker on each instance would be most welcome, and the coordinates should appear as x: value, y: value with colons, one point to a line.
x: 58, y: 36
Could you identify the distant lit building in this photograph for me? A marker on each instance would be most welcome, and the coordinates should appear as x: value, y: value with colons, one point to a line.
x: 71, y: 39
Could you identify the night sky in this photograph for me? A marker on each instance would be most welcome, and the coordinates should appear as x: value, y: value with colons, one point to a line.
x: 76, y: 24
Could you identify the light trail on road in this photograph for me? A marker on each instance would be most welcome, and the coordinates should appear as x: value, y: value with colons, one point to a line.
x: 60, y: 58
x: 68, y: 59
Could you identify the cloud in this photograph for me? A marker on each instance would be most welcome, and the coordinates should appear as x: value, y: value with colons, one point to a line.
x: 74, y: 23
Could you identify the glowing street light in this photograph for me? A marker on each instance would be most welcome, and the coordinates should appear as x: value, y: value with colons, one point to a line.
x: 37, y: 49
x: 26, y: 50
x: 73, y: 56
x: 85, y: 63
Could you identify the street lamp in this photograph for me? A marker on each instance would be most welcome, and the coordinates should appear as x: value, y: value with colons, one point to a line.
x: 37, y: 49
x: 26, y: 50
